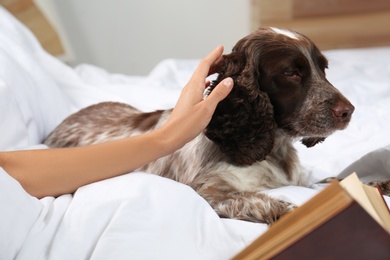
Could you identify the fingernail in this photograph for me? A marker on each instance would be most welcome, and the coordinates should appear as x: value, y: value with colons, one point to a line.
x: 228, y: 82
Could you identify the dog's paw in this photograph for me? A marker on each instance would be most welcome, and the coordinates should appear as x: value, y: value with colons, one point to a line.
x: 253, y: 207
x: 278, y: 209
x: 384, y: 186
x: 328, y: 180
x: 267, y: 210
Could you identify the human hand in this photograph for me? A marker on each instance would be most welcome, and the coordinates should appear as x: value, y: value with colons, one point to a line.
x: 192, y: 113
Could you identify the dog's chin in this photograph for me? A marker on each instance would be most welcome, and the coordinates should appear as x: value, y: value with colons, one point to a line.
x: 319, y: 135
x: 312, y: 141
x: 310, y: 137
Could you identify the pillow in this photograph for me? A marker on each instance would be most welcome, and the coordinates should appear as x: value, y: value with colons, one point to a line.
x: 32, y: 103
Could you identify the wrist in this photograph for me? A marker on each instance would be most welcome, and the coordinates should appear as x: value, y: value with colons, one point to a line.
x: 168, y: 140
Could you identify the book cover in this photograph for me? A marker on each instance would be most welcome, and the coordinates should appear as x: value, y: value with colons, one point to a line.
x: 332, y: 225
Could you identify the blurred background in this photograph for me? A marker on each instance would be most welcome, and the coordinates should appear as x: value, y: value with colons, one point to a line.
x: 132, y: 36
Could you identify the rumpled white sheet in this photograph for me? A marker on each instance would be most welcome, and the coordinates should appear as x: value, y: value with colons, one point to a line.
x: 142, y: 216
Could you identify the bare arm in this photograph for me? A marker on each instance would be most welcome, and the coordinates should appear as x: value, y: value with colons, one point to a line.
x: 54, y: 172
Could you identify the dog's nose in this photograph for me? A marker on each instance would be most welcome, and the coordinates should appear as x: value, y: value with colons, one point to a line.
x: 343, y: 111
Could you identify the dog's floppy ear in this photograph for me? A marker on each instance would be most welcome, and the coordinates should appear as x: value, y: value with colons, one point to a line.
x: 243, y: 124
x: 312, y: 141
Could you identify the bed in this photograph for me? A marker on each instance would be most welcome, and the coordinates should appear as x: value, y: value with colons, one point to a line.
x: 140, y: 215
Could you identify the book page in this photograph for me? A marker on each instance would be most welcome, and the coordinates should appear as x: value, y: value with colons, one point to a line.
x: 355, y: 188
x: 377, y: 200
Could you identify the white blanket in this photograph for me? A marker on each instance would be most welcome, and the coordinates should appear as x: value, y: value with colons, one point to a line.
x: 139, y: 215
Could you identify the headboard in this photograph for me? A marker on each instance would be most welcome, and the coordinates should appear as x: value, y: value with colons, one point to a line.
x: 29, y: 14
x: 331, y: 24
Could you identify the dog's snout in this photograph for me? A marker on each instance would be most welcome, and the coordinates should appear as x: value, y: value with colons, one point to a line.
x: 343, y: 111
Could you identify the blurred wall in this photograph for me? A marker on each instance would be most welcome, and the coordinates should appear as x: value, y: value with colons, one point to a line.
x: 132, y: 36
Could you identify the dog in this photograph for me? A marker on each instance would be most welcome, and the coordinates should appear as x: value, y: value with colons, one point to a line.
x: 280, y: 95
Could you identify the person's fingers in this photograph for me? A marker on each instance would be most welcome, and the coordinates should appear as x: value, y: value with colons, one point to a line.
x: 202, y: 71
x: 213, y: 56
x: 192, y: 93
x: 219, y: 92
x: 215, y: 66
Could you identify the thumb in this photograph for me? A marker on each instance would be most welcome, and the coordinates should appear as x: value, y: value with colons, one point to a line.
x: 220, y: 91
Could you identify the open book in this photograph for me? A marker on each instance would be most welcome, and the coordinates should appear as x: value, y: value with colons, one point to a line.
x: 347, y: 220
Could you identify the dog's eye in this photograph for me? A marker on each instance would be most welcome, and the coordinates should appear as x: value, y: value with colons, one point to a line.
x: 291, y: 73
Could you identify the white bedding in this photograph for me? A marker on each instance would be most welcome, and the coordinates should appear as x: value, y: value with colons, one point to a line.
x: 139, y: 215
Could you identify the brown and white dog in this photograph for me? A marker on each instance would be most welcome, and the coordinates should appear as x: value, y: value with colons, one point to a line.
x: 280, y: 95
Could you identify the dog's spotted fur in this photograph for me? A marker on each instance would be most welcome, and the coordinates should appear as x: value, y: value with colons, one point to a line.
x: 280, y: 94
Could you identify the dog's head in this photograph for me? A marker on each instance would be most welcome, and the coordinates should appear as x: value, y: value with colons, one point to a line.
x: 279, y: 84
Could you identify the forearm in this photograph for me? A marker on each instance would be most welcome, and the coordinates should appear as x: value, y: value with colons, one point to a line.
x: 58, y: 171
